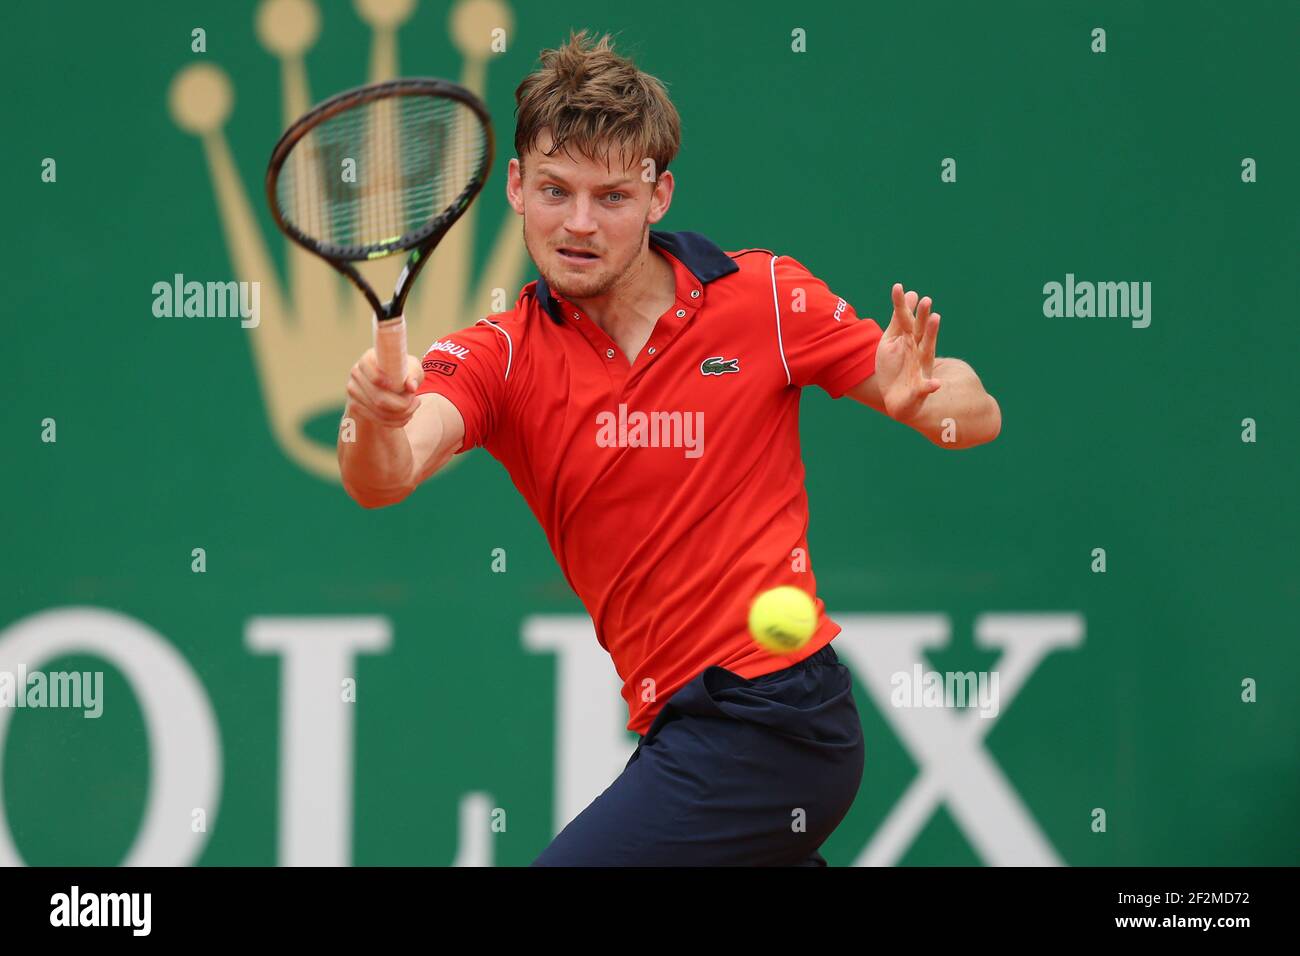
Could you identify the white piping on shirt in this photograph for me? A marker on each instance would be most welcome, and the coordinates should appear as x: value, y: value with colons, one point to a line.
x: 510, y: 345
x: 776, y: 304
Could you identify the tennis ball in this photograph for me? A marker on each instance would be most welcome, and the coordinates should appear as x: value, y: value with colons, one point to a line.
x: 783, y: 619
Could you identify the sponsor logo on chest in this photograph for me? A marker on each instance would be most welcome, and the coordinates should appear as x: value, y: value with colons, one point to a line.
x: 717, y: 365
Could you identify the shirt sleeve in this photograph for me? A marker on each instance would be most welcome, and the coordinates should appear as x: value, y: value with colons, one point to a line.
x: 469, y: 368
x: 823, y: 341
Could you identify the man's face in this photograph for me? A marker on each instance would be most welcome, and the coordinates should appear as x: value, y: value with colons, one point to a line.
x: 585, y: 222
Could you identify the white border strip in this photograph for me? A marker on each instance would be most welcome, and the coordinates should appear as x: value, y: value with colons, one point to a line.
x: 776, y: 304
x: 510, y: 346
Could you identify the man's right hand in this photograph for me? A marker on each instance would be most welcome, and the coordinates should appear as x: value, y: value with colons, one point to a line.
x: 374, y: 398
x: 401, y: 438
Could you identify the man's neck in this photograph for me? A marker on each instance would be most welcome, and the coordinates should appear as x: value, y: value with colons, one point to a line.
x: 648, y: 288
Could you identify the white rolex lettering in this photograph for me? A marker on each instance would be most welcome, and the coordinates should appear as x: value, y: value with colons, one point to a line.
x: 947, y: 743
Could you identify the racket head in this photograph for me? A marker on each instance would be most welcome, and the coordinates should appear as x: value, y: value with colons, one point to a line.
x: 421, y: 148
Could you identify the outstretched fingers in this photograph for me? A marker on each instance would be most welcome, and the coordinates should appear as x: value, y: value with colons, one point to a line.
x: 903, y: 311
x: 929, y: 338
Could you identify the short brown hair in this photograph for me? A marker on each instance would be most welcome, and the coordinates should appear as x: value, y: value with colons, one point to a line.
x: 592, y: 99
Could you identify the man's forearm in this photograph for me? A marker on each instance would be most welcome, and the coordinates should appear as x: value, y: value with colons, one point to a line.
x: 961, y: 414
x: 376, y: 467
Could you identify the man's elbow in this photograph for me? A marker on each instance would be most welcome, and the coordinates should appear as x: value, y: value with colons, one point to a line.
x: 997, y: 419
x: 372, y: 504
x: 993, y: 423
x: 371, y: 500
x: 951, y: 437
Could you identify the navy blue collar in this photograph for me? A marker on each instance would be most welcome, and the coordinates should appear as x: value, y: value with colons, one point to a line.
x: 705, y: 260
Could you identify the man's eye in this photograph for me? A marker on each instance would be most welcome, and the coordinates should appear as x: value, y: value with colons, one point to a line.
x: 612, y: 195
x: 547, y: 189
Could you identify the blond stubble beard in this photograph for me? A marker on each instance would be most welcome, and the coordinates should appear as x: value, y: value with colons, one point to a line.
x: 563, y: 288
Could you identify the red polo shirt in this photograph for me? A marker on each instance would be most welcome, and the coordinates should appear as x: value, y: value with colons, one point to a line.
x: 671, y: 489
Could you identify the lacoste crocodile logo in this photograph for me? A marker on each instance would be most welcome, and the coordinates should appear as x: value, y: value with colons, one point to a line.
x: 717, y: 365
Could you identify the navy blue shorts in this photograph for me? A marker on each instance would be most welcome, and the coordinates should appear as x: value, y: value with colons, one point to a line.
x: 732, y: 772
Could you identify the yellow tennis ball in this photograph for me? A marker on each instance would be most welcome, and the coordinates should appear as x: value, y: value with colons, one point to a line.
x: 783, y: 619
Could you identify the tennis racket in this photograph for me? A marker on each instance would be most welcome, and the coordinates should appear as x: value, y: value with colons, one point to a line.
x: 379, y: 170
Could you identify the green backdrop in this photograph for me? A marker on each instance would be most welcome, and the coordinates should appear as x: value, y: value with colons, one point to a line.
x: 1123, y: 165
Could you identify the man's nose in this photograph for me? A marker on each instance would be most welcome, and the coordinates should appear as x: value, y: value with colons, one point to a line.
x: 580, y: 220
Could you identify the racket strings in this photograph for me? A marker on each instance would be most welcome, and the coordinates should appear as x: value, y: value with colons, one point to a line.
x: 381, y: 170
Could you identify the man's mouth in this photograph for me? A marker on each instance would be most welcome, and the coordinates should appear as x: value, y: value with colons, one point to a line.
x: 569, y: 252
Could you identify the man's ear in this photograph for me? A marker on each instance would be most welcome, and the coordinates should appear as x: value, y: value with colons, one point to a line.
x: 515, y: 186
x: 662, y: 197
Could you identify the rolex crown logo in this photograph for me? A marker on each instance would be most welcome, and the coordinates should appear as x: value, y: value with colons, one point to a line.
x: 314, y: 324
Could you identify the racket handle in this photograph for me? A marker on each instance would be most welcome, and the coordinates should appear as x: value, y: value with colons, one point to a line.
x: 390, y: 348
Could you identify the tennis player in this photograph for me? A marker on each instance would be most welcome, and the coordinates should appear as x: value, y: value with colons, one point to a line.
x: 643, y: 395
